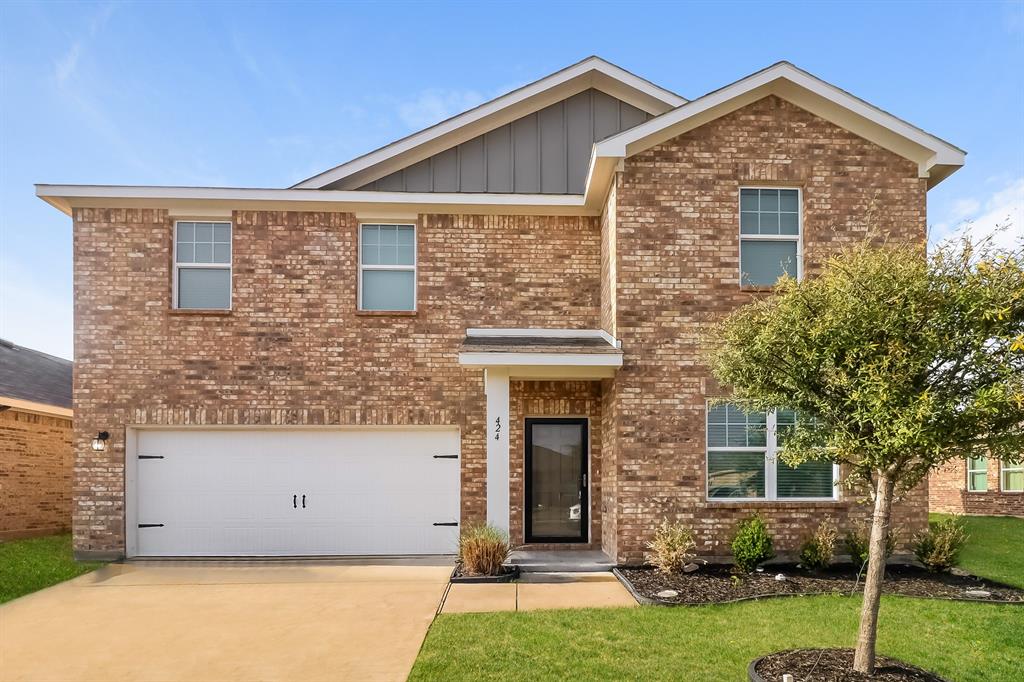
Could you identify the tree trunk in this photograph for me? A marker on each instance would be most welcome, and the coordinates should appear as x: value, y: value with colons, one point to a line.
x: 864, y: 658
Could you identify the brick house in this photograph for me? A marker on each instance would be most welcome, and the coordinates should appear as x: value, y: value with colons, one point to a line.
x: 979, y: 486
x: 35, y: 443
x: 497, y: 318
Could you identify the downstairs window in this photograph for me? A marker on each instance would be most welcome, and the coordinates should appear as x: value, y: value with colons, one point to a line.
x: 743, y: 461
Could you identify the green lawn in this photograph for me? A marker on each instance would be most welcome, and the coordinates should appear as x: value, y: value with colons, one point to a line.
x: 995, y: 548
x: 30, y: 565
x: 960, y: 641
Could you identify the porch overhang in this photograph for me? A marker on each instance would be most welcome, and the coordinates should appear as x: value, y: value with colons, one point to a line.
x: 542, y: 353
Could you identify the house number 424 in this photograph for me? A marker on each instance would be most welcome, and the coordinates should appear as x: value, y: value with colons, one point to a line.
x: 497, y: 428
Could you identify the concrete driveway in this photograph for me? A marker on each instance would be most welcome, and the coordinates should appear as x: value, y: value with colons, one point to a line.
x: 225, y: 621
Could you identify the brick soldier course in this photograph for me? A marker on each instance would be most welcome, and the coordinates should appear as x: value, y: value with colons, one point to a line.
x: 653, y: 266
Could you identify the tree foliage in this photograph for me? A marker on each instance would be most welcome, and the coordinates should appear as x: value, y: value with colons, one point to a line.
x: 904, y: 361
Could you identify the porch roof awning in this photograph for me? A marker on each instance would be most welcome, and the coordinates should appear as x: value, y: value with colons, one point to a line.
x: 543, y: 353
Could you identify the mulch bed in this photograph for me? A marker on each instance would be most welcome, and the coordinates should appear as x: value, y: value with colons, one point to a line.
x: 835, y: 665
x: 715, y: 583
x: 508, y: 574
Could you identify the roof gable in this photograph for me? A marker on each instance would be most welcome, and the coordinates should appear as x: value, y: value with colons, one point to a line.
x: 591, y: 73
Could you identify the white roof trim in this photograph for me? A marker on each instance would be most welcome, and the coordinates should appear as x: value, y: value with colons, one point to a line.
x: 511, y: 359
x: 206, y: 200
x: 792, y: 84
x: 591, y: 72
x: 32, y: 406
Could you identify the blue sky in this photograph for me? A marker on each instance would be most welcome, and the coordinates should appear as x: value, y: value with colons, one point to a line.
x: 264, y: 95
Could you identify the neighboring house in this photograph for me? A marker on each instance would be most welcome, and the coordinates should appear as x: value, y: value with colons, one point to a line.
x: 36, y: 456
x: 497, y: 318
x: 978, y: 485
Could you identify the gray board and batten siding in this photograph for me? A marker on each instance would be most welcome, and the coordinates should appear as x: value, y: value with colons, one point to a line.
x: 546, y: 152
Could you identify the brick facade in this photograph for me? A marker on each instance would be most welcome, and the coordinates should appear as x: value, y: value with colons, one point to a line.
x: 35, y: 474
x: 677, y: 259
x: 947, y: 493
x: 661, y: 263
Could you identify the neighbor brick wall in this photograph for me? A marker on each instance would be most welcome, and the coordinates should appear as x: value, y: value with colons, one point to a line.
x: 947, y: 493
x: 35, y: 474
x: 553, y: 399
x: 294, y: 350
x: 677, y: 258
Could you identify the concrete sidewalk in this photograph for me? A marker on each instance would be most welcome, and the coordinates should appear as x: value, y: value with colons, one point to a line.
x: 539, y: 591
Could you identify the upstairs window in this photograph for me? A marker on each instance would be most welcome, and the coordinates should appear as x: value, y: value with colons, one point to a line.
x: 202, y: 265
x: 387, y: 267
x: 1013, y: 478
x: 977, y: 474
x: 770, y: 225
x: 743, y: 461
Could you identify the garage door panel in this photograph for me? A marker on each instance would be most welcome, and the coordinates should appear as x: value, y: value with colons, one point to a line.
x: 230, y: 493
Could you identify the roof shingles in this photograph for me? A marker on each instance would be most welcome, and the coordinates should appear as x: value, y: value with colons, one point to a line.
x: 27, y: 374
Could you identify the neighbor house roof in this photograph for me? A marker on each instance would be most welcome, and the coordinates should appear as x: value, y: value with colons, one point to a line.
x: 34, y: 381
x: 936, y: 158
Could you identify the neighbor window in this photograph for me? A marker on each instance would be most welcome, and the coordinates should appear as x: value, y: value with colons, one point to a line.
x: 977, y: 474
x: 202, y: 265
x: 743, y: 461
x: 1013, y: 478
x: 387, y: 267
x: 769, y: 235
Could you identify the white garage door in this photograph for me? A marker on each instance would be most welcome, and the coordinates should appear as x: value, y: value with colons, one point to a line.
x: 293, y: 493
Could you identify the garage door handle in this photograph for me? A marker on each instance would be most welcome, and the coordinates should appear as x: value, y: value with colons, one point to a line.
x: 295, y: 501
x: 303, y: 501
x: 450, y: 523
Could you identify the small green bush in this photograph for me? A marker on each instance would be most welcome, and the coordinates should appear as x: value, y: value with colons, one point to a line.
x: 858, y: 541
x: 817, y: 552
x: 752, y: 545
x: 672, y: 547
x: 939, y: 547
x: 483, y: 549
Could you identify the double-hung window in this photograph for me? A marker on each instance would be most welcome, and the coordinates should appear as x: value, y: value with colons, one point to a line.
x: 770, y: 226
x: 1012, y: 478
x: 387, y: 267
x: 977, y: 474
x: 202, y: 265
x: 743, y: 458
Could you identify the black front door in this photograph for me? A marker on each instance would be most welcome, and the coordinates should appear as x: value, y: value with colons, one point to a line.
x: 556, y: 480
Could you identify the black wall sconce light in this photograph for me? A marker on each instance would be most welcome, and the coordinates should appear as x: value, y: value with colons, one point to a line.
x: 99, y: 443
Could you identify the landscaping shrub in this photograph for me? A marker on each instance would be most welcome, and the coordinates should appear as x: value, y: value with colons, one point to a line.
x: 483, y: 549
x: 752, y: 545
x: 938, y: 548
x: 858, y: 539
x: 817, y: 552
x: 672, y: 547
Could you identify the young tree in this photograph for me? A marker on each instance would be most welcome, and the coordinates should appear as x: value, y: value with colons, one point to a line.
x: 899, y: 362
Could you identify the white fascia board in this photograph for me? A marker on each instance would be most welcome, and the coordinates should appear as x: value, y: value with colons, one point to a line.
x: 804, y: 89
x: 545, y: 333
x: 591, y: 72
x: 198, y: 200
x: 33, y: 407
x: 500, y: 359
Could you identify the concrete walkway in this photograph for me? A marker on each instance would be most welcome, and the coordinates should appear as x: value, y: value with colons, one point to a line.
x: 223, y: 622
x: 539, y: 591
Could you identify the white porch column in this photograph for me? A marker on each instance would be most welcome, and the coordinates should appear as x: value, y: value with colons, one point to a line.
x: 496, y: 389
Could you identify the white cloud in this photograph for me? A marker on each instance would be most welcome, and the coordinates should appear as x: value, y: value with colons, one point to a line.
x: 1001, y: 215
x: 435, y: 105
x: 34, y: 313
x: 68, y: 64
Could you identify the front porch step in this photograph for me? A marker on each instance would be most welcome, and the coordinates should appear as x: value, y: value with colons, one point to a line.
x: 561, y: 561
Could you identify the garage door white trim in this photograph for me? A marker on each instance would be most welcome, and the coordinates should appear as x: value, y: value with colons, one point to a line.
x: 328, y: 462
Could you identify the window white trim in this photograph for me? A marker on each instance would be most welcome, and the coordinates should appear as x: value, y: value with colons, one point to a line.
x: 414, y: 268
x: 176, y: 266
x: 798, y: 237
x: 971, y: 472
x: 1008, y: 468
x: 770, y: 451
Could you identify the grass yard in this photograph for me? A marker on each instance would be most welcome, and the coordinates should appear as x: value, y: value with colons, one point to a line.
x: 30, y: 565
x: 995, y: 549
x: 960, y: 641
